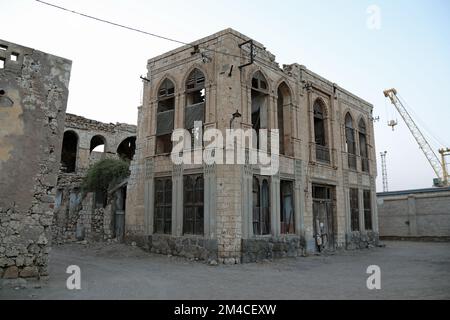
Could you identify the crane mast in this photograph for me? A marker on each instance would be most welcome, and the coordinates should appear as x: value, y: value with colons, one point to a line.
x: 384, y: 171
x: 438, y: 167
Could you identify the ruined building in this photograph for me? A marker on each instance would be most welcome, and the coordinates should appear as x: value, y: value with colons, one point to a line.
x: 90, y: 217
x: 33, y: 99
x: 323, y: 196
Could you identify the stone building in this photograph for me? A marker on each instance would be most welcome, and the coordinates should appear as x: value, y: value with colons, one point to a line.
x: 33, y: 99
x: 323, y: 196
x: 409, y: 214
x: 91, y: 217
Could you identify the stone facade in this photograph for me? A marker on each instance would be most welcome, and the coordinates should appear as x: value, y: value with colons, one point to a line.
x: 88, y: 217
x: 314, y: 165
x: 410, y: 214
x: 33, y: 99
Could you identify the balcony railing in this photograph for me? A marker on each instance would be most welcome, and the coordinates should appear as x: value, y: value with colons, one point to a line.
x: 352, y: 161
x: 322, y: 153
x: 364, y: 164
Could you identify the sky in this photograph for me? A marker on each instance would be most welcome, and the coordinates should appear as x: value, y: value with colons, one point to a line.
x: 408, y: 48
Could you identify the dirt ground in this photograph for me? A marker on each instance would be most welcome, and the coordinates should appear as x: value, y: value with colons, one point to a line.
x: 409, y: 270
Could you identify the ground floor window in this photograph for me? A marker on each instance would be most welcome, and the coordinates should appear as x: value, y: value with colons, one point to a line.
x: 261, y: 206
x: 287, y: 207
x: 163, y: 205
x: 354, y: 209
x: 367, y: 210
x: 193, y: 218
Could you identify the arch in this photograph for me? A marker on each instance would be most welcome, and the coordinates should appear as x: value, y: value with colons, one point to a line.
x: 320, y: 131
x: 190, y: 70
x: 166, y: 77
x: 98, y: 144
x: 165, y: 114
x: 284, y: 115
x: 127, y: 149
x: 363, y: 145
x: 69, y: 152
x: 259, y: 81
x: 350, y: 141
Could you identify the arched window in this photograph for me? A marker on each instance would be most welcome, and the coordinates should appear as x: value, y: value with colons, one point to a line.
x: 261, y: 206
x: 350, y: 145
x: 98, y: 144
x: 259, y: 98
x: 69, y: 152
x: 193, y: 219
x: 284, y: 119
x: 165, y: 117
x: 127, y: 149
x: 363, y: 148
x: 195, y: 101
x: 320, y: 136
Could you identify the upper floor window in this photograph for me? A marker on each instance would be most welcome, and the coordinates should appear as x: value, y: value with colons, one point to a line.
x: 284, y: 116
x: 259, y: 100
x: 363, y: 148
x: 195, y: 101
x: 165, y: 117
x: 350, y: 144
x: 320, y: 137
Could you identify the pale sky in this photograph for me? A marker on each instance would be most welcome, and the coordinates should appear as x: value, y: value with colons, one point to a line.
x: 410, y: 51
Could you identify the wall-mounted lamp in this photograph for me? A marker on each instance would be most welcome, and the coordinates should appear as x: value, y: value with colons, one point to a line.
x: 235, y: 115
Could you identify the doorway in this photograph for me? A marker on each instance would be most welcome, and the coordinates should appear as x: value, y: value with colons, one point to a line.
x: 119, y: 213
x: 323, y: 217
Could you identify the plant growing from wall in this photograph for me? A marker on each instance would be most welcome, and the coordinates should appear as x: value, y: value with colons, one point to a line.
x: 105, y: 174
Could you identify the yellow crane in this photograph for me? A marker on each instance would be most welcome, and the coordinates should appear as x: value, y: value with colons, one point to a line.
x: 439, y: 165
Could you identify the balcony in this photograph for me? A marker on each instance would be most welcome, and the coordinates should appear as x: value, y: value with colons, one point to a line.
x: 322, y: 154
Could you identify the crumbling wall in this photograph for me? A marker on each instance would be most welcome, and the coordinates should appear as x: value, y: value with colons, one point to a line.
x: 77, y: 217
x: 33, y: 99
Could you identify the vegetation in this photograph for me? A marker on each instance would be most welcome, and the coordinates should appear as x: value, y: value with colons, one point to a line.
x: 104, y: 174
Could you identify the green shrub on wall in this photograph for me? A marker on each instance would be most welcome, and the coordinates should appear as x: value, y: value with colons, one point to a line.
x: 104, y: 174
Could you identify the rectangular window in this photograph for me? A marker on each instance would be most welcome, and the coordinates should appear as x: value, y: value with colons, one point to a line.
x: 367, y: 210
x: 2, y: 63
x: 287, y: 207
x: 354, y: 209
x: 261, y: 206
x: 14, y: 56
x: 163, y: 206
x: 193, y: 220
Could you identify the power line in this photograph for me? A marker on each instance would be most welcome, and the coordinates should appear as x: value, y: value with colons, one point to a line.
x: 133, y: 29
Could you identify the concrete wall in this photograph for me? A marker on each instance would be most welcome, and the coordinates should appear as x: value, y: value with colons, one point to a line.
x: 415, y: 213
x: 33, y: 98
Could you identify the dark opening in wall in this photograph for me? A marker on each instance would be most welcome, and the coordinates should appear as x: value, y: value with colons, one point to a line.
x: 14, y: 56
x: 127, y: 149
x: 2, y: 63
x: 259, y: 104
x: 3, y: 47
x: 97, y: 144
x: 69, y: 152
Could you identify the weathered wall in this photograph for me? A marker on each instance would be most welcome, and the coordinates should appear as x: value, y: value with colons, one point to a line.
x: 77, y: 218
x: 228, y: 188
x: 415, y: 213
x: 33, y: 98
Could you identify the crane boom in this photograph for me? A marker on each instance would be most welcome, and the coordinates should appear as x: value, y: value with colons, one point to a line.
x: 431, y: 156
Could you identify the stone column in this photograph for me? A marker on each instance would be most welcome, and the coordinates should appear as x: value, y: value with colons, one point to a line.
x: 149, y: 196
x: 209, y: 211
x: 299, y: 198
x: 275, y: 207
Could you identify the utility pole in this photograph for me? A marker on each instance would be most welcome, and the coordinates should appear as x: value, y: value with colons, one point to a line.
x: 384, y: 171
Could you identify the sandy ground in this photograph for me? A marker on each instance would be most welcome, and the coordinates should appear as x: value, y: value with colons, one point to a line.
x: 409, y: 270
